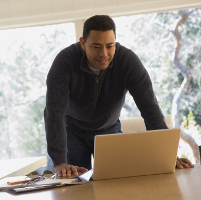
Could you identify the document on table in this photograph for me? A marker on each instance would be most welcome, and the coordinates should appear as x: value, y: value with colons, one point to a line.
x: 47, y: 183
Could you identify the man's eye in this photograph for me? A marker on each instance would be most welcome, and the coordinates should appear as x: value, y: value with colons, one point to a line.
x: 95, y: 47
x: 109, y: 47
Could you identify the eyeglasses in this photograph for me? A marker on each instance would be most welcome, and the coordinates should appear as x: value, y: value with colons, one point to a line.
x: 35, y: 174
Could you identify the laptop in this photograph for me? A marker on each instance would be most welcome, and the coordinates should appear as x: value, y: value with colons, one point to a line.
x: 134, y: 154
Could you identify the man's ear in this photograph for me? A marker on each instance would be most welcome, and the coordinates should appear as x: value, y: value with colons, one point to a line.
x: 82, y: 42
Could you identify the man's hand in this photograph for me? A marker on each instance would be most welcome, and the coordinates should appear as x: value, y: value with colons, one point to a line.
x: 65, y: 170
x: 183, y: 163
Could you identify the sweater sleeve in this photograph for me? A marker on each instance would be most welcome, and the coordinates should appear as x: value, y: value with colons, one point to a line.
x: 140, y: 87
x: 58, y: 80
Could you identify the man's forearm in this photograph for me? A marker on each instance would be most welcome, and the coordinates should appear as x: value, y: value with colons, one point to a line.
x: 56, y: 136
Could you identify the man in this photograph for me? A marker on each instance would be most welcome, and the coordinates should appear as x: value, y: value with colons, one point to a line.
x: 86, y: 89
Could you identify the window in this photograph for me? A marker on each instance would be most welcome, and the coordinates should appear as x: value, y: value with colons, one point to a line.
x: 151, y: 37
x: 26, y: 56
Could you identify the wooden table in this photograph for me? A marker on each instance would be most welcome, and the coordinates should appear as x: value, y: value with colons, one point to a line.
x: 183, y: 184
x: 20, y: 166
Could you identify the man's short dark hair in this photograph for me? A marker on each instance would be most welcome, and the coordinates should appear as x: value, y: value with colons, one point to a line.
x: 98, y: 23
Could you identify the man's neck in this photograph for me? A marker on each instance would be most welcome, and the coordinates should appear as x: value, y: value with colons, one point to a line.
x: 95, y: 71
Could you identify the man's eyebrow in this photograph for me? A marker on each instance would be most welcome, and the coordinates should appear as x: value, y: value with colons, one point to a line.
x: 96, y: 44
x: 111, y: 43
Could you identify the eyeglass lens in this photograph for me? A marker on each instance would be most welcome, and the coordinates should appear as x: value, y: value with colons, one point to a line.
x: 35, y: 174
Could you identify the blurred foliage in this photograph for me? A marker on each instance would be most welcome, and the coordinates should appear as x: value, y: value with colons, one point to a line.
x: 32, y: 135
x: 26, y: 56
x: 190, y: 120
x: 150, y: 37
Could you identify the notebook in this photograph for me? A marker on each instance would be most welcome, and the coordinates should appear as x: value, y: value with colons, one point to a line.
x: 135, y: 154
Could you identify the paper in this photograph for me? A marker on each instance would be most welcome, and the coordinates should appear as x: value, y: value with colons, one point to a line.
x: 47, y: 183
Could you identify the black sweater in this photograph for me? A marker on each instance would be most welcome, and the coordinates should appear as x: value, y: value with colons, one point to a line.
x: 76, y: 97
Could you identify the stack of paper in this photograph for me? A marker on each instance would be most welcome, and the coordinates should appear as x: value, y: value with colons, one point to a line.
x: 43, y: 184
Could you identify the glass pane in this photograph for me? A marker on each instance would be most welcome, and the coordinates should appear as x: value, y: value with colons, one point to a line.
x: 154, y: 38
x: 26, y: 56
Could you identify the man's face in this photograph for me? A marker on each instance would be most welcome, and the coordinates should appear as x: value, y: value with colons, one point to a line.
x: 99, y: 48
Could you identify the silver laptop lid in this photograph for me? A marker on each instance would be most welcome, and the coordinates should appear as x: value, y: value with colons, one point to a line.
x: 134, y: 154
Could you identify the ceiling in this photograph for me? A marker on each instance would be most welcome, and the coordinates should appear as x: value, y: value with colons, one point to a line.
x: 22, y: 13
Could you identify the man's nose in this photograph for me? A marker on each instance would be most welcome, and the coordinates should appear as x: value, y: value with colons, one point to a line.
x: 103, y: 52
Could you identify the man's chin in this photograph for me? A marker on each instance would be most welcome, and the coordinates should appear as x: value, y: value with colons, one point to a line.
x: 103, y: 67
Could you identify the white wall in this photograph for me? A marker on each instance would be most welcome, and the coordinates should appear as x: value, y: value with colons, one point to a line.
x: 21, y: 13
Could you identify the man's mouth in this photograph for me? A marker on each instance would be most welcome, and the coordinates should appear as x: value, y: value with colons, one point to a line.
x: 102, y: 62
